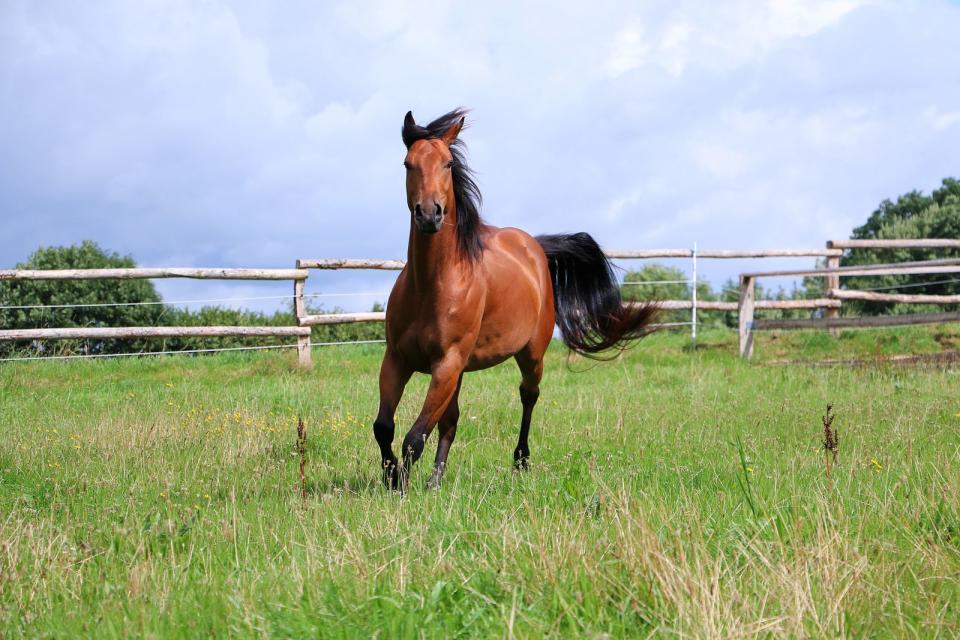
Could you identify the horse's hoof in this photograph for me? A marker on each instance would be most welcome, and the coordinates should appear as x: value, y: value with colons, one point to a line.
x: 433, y: 484
x: 391, y: 477
x: 520, y: 460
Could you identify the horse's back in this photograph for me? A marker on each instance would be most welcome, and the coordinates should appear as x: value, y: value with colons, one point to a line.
x: 513, y: 259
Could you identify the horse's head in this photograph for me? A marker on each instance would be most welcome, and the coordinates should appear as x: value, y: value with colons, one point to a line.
x: 430, y: 165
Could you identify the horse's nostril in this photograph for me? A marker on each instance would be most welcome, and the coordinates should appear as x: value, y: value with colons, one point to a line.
x: 439, y: 212
x: 418, y: 211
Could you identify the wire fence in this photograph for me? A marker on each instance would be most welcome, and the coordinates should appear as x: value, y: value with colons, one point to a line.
x: 88, y: 356
x: 691, y: 282
x: 194, y: 301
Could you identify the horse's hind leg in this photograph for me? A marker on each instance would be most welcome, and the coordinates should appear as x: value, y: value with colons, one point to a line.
x: 448, y: 431
x: 394, y: 375
x: 531, y: 370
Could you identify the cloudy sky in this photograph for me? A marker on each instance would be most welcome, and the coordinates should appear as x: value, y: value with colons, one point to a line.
x: 251, y: 134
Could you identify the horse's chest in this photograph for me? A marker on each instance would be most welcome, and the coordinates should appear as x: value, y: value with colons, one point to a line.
x: 424, y: 342
x: 484, y: 330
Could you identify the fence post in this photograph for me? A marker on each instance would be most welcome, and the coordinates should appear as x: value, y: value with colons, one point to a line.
x: 831, y: 282
x: 745, y: 316
x: 299, y: 311
x: 693, y: 306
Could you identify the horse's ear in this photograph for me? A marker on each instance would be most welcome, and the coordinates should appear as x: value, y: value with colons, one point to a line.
x: 409, y: 129
x: 451, y: 134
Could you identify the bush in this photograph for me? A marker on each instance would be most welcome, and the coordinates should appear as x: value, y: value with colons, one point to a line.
x: 86, y: 255
x: 219, y: 316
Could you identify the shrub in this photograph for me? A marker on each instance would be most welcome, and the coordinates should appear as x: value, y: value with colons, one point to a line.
x: 76, y: 293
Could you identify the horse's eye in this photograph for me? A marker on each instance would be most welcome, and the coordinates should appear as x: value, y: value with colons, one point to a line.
x: 450, y: 165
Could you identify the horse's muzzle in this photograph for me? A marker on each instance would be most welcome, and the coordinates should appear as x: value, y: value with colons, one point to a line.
x: 428, y: 222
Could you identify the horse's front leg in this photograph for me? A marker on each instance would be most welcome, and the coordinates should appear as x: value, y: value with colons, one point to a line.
x: 444, y: 380
x: 394, y: 374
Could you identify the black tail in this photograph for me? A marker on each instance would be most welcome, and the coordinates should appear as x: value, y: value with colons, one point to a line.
x: 591, y: 316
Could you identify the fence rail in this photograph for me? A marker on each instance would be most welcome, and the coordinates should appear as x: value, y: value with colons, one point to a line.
x: 902, y: 268
x: 351, y: 263
x: 900, y: 298
x: 857, y: 321
x: 79, y: 333
x: 143, y: 274
x: 715, y: 305
x: 341, y: 318
x: 918, y: 243
x: 723, y: 254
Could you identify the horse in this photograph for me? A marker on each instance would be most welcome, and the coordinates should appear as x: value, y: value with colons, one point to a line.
x: 472, y: 295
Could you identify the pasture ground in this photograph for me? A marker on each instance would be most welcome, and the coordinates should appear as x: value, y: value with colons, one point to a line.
x: 672, y: 493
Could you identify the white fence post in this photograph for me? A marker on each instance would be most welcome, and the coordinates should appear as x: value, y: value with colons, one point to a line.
x: 693, y: 306
x: 745, y: 315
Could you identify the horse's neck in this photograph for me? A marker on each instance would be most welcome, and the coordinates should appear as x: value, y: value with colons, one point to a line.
x: 434, y: 259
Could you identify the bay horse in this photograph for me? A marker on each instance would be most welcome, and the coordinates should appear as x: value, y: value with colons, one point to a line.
x: 473, y: 295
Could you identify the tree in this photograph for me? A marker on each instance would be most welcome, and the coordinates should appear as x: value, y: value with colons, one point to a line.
x: 666, y: 283
x: 906, y: 207
x: 913, y: 215
x: 20, y: 299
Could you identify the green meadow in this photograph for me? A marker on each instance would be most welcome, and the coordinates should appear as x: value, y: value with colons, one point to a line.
x: 674, y: 492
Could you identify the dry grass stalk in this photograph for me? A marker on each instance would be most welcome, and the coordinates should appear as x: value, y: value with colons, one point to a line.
x: 831, y: 441
x: 302, y: 450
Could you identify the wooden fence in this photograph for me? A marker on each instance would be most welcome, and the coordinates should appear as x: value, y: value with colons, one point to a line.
x: 299, y: 277
x: 745, y: 307
x: 832, y: 274
x: 396, y: 265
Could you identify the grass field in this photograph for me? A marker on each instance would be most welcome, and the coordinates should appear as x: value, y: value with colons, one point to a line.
x: 672, y: 493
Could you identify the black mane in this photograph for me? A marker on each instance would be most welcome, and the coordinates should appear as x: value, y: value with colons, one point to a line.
x: 465, y: 189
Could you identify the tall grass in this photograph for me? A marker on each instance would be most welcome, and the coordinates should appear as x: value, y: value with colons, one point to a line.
x: 672, y: 493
